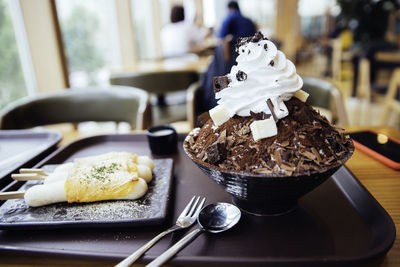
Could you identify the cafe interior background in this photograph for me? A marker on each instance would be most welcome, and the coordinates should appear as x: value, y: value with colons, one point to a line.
x: 49, y: 46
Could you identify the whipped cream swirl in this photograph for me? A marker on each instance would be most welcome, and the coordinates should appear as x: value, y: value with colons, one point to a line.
x: 262, y: 72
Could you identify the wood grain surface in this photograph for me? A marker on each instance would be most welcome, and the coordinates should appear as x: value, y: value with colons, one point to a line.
x: 383, y: 183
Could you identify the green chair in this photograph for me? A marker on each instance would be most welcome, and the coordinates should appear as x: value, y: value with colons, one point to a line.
x: 113, y: 103
x: 326, y: 96
x: 161, y: 83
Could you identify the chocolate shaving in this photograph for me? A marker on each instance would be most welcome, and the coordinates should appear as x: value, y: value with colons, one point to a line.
x: 317, y: 155
x: 202, y: 119
x: 329, y: 160
x: 272, y: 63
x: 244, y: 130
x: 286, y: 155
x: 239, y: 141
x: 222, y: 165
x: 299, y: 148
x: 215, y: 153
x: 220, y: 83
x: 260, y: 115
x: 191, y: 140
x: 263, y: 163
x: 271, y: 108
x: 266, y: 47
x: 256, y: 147
x: 285, y: 143
x: 308, y: 155
x: 222, y: 137
x: 270, y: 163
x: 287, y: 167
x: 262, y: 170
x: 201, y: 154
x: 230, y: 140
x: 237, y: 166
x: 241, y: 76
x: 278, y: 158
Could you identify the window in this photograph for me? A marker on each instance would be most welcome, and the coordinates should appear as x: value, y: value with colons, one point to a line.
x: 262, y: 12
x: 14, y: 59
x: 313, y: 17
x: 90, y: 36
x: 145, y: 26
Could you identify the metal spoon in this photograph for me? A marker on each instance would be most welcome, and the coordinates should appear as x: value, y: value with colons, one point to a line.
x: 214, y: 218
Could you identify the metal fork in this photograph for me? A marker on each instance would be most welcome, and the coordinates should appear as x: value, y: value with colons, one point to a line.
x: 185, y: 220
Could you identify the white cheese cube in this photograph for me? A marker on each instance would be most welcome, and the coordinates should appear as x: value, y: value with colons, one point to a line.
x: 219, y: 114
x: 301, y: 95
x: 263, y: 128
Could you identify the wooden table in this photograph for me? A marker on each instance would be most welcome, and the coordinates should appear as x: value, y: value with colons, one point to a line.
x: 189, y: 63
x: 381, y: 181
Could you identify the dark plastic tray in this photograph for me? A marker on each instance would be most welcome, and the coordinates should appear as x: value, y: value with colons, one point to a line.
x: 338, y: 223
x: 23, y: 148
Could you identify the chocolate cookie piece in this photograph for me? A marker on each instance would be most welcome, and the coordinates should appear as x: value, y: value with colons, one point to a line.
x: 254, y: 39
x: 202, y: 119
x: 241, y: 76
x: 220, y: 83
x: 258, y: 37
x: 216, y: 153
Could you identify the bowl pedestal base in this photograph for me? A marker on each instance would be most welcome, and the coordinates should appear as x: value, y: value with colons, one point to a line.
x: 265, y: 208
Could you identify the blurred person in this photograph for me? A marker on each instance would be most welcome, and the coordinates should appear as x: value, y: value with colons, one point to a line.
x: 219, y: 66
x: 372, y: 24
x: 179, y: 37
x: 236, y: 24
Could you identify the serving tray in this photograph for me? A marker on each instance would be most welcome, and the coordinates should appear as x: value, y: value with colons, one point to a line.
x: 23, y: 148
x: 338, y: 223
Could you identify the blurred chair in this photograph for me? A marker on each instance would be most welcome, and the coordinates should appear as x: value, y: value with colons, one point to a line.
x: 367, y: 91
x: 340, y: 56
x: 161, y: 83
x: 113, y: 103
x: 326, y: 96
x: 363, y: 93
x: 192, y: 103
x: 392, y: 100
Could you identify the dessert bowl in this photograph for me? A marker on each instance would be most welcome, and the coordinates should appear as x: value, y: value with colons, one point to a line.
x: 265, y: 194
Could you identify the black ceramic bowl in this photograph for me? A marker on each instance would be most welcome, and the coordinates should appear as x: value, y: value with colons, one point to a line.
x: 265, y: 194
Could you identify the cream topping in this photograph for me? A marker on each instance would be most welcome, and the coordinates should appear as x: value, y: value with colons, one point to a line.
x: 262, y: 72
